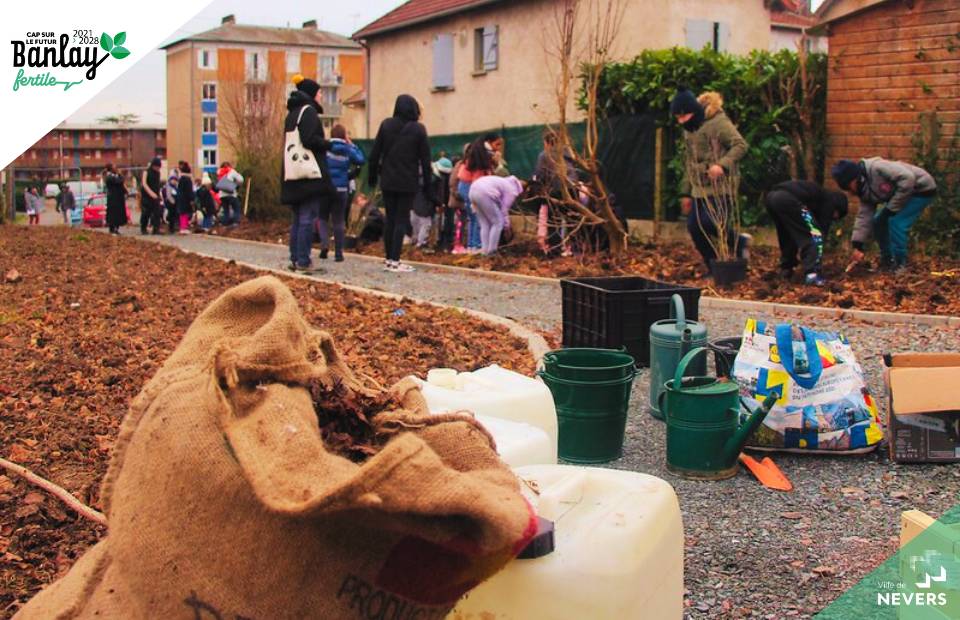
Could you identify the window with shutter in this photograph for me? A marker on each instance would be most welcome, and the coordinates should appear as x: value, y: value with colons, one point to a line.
x: 703, y: 33
x: 443, y: 62
x: 722, y: 43
x: 486, y: 48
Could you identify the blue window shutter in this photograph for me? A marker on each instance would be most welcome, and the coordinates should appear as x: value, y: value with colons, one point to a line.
x: 209, y: 139
x: 208, y: 107
x: 723, y: 37
x: 491, y: 47
x: 443, y: 61
x: 699, y: 34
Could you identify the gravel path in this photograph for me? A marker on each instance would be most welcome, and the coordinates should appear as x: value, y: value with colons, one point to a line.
x: 750, y: 552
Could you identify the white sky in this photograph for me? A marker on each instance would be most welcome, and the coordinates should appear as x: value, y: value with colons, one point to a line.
x: 142, y: 90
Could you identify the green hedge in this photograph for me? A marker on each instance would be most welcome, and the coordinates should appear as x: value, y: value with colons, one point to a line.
x: 750, y: 86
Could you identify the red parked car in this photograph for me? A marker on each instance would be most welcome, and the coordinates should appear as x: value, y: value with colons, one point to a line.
x: 95, y: 211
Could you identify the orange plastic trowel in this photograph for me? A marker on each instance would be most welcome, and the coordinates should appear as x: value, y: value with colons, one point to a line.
x: 767, y: 472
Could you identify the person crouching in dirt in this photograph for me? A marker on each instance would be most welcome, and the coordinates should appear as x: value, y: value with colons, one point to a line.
x: 713, y: 148
x: 892, y: 196
x: 803, y: 212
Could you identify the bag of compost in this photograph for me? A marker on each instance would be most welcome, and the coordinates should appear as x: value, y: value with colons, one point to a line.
x: 256, y: 477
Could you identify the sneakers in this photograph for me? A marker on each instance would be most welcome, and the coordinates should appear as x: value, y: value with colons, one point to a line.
x: 309, y: 269
x: 814, y: 279
x: 398, y: 267
x: 324, y: 253
x: 459, y: 250
x: 743, y: 245
x: 338, y: 257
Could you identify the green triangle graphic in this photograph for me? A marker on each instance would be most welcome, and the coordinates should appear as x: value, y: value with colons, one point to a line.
x: 920, y: 582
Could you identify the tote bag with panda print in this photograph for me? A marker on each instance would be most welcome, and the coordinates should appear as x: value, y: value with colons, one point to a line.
x: 299, y: 162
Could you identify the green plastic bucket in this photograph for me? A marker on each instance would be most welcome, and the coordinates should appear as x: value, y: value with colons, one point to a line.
x: 591, y: 417
x: 589, y: 364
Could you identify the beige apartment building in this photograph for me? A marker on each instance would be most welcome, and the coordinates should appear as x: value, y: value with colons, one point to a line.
x: 480, y: 64
x: 239, y: 74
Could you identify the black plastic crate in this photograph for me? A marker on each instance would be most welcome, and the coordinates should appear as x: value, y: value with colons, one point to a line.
x: 618, y: 312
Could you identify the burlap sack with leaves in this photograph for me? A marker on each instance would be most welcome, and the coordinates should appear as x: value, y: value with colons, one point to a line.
x: 224, y: 501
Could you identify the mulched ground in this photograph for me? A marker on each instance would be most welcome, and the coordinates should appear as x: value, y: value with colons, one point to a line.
x: 91, y: 319
x: 931, y: 286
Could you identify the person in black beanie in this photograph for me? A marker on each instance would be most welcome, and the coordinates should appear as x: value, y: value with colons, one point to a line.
x: 803, y: 213
x: 892, y: 196
x: 713, y: 148
x: 305, y: 196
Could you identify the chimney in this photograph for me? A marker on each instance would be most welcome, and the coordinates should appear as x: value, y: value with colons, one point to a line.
x: 310, y: 25
x: 229, y: 19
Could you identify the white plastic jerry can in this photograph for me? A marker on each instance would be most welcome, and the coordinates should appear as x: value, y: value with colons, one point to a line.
x: 517, y: 410
x: 617, y: 551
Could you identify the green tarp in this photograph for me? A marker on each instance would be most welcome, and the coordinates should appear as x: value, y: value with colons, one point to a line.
x: 626, y: 151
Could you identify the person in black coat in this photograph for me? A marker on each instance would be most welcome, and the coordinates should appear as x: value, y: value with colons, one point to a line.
x: 304, y: 196
x: 803, y: 213
x: 150, y: 197
x: 400, y: 162
x: 186, y: 198
x: 116, y: 199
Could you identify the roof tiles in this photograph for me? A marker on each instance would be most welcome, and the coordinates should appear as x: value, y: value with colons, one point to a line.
x: 416, y: 11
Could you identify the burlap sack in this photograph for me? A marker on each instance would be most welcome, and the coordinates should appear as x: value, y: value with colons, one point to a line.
x: 223, y: 502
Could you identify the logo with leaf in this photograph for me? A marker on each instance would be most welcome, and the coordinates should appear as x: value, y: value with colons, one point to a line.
x: 114, y: 44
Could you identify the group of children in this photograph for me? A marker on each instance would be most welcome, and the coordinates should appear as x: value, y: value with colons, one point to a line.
x: 186, y: 205
x: 892, y: 196
x: 467, y: 201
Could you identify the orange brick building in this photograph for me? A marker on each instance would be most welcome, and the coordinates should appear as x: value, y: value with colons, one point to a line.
x: 890, y: 62
x: 212, y: 74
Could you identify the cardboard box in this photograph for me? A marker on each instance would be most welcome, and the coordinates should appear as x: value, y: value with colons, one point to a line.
x: 923, y: 407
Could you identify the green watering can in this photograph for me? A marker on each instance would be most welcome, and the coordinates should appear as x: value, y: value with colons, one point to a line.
x: 670, y: 339
x: 704, y: 433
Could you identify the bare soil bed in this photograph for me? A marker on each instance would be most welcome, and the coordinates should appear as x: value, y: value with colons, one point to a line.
x: 87, y: 319
x: 931, y: 285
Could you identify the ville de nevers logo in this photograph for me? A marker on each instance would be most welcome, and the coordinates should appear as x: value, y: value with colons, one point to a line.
x: 919, y: 599
x: 41, y: 50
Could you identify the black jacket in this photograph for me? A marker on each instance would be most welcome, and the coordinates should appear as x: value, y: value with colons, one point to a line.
x: 116, y: 199
x: 814, y: 198
x: 311, y: 135
x: 401, y: 152
x: 205, y: 200
x: 185, y: 195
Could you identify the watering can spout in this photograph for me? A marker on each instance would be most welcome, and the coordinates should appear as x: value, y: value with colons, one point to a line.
x: 734, y: 445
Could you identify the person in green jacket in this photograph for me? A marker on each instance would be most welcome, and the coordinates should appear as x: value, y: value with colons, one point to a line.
x: 713, y: 148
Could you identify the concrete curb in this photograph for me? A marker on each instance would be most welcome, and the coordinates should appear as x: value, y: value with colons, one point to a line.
x: 713, y: 303
x: 536, y: 344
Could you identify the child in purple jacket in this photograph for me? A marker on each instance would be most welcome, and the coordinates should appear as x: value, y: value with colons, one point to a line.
x: 492, y: 197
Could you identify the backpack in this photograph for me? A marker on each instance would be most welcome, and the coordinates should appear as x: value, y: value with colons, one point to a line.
x: 226, y: 184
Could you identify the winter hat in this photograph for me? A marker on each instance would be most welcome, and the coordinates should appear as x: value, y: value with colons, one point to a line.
x: 838, y: 204
x: 442, y: 166
x: 306, y: 85
x: 684, y: 102
x: 156, y: 161
x: 845, y: 171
